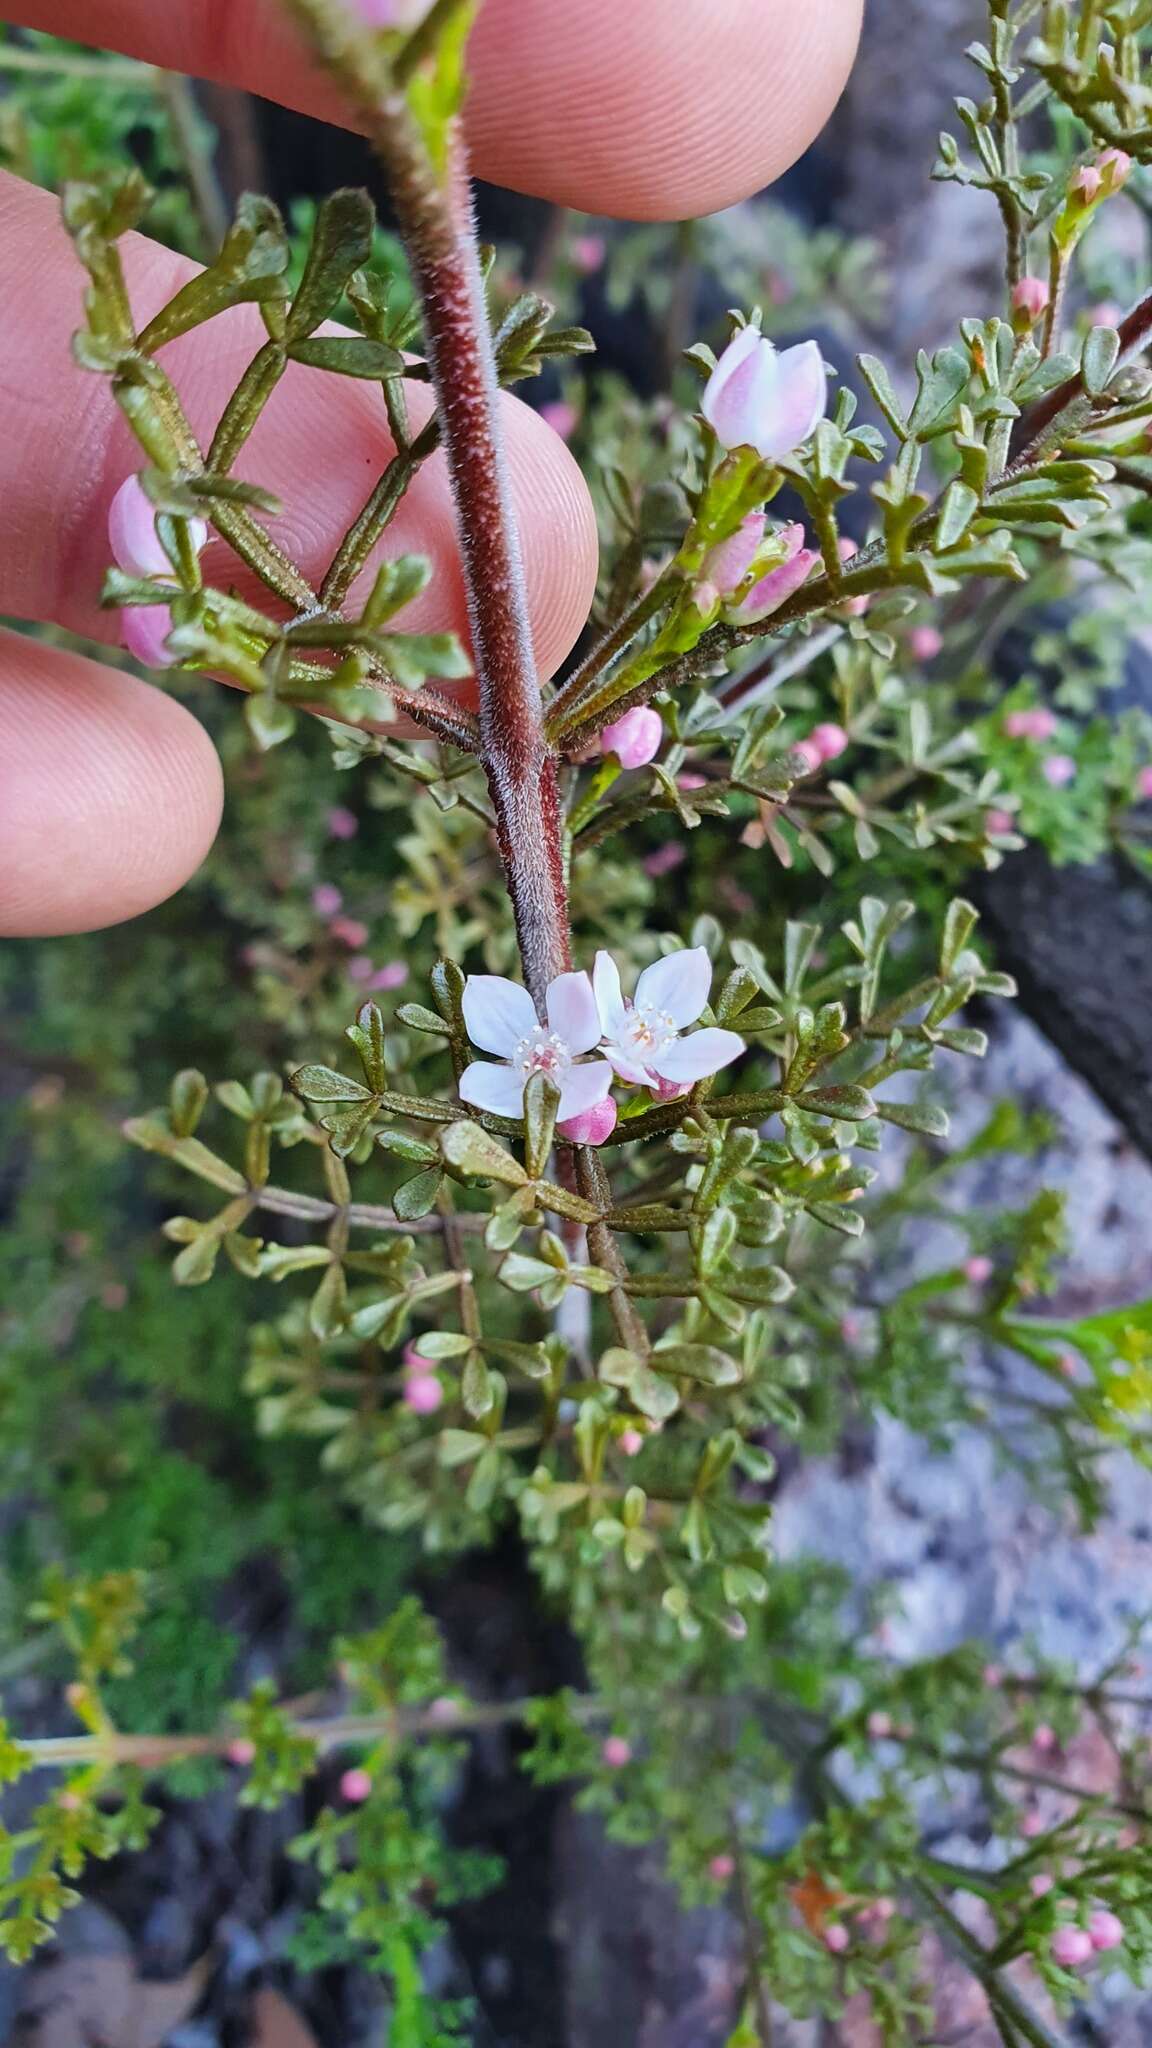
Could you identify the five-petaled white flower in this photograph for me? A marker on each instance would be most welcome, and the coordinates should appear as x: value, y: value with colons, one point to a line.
x: 501, y: 1019
x: 642, y: 1037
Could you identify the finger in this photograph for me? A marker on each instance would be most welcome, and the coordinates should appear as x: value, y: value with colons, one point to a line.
x: 648, y: 109
x: 110, y: 792
x: 320, y: 447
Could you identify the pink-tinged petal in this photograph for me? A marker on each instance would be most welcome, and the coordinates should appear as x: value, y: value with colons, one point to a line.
x: 389, y: 13
x: 499, y: 1090
x: 572, y: 1012
x: 796, y: 403
x: 677, y: 986
x: 499, y: 1013
x: 630, y: 1069
x: 726, y: 565
x: 592, y: 1126
x: 700, y: 1054
x: 583, y: 1087
x: 132, y: 532
x: 724, y: 404
x: 144, y: 629
x: 609, y: 995
x: 776, y: 588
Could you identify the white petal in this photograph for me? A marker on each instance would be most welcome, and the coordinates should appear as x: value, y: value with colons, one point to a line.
x: 678, y: 985
x: 700, y: 1054
x: 744, y: 343
x: 609, y: 996
x: 572, y: 1012
x: 499, y: 1090
x: 584, y: 1087
x: 629, y: 1068
x: 498, y: 1013
x: 793, y: 406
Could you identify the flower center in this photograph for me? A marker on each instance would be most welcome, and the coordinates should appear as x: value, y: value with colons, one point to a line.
x: 542, y: 1052
x: 650, y: 1032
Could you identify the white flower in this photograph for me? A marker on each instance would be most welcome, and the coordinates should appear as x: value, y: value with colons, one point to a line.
x: 757, y: 398
x: 501, y: 1018
x: 642, y: 1037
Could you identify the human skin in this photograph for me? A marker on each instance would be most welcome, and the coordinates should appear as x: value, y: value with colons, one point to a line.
x: 110, y: 791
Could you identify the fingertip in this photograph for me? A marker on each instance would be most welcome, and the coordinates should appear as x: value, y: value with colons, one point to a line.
x: 110, y: 793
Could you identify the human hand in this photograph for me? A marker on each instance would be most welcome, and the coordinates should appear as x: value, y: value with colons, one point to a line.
x: 110, y: 791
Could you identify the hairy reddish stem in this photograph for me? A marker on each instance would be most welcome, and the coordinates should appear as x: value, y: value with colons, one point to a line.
x: 434, y: 212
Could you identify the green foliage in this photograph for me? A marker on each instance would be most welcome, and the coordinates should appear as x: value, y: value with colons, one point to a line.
x: 615, y: 1337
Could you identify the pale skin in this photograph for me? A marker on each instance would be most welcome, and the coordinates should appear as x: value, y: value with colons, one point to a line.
x: 110, y: 791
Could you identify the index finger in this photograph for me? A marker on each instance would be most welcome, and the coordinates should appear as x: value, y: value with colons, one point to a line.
x: 646, y: 109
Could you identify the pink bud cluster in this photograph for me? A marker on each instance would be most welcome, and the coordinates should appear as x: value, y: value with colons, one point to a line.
x: 824, y: 743
x: 1073, y: 1945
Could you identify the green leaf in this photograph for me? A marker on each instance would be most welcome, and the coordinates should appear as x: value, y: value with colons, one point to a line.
x: 187, y: 1101
x: 367, y: 1035
x: 883, y: 391
x: 477, y: 1390
x: 927, y: 1118
x: 703, y: 1362
x: 417, y: 1197
x: 468, y: 1149
x: 417, y: 1018
x: 252, y: 265
x: 328, y: 1308
x: 348, y: 355
x: 541, y: 1106
x: 268, y: 720
x: 1101, y: 349
x: 323, y: 1084
x: 341, y: 244
x: 851, y: 1105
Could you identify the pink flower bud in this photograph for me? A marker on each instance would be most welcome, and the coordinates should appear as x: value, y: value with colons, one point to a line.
x: 444, y: 1711
x: 806, y: 756
x: 636, y: 738
x: 1058, y: 769
x: 361, y: 969
x: 592, y: 1126
x: 879, y: 1726
x: 561, y: 416
x: 349, y: 931
x: 722, y: 1868
x: 829, y: 741
x: 1144, y: 783
x: 616, y: 1752
x: 996, y: 823
x: 588, y: 253
x: 241, y: 1752
x: 630, y: 1442
x: 725, y: 566
x: 774, y: 589
x: 1105, y: 1931
x: 144, y: 629
x: 925, y: 642
x: 412, y: 1362
x: 1071, y: 1946
x: 1037, y: 724
x: 756, y: 398
x: 356, y: 1787
x: 326, y: 899
x: 836, y: 1939
x: 423, y: 1394
x: 1041, y: 1884
x: 1044, y: 1739
x: 978, y: 1270
x: 133, y: 537
x: 1030, y: 300
x: 993, y: 1675
x: 1087, y: 184
x: 1031, y: 1826
x: 342, y: 823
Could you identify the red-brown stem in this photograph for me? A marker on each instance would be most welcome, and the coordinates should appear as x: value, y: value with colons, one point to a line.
x: 434, y: 211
